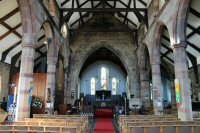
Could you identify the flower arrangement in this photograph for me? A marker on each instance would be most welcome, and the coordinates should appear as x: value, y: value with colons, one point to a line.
x: 37, y: 103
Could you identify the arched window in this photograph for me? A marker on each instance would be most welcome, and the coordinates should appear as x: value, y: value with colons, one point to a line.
x: 103, y: 78
x: 114, y: 86
x: 92, y: 86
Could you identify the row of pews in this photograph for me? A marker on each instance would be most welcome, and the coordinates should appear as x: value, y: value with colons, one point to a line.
x: 49, y: 124
x: 156, y: 124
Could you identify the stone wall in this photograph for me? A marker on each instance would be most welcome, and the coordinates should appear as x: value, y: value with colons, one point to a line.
x: 4, y: 73
x: 121, y: 44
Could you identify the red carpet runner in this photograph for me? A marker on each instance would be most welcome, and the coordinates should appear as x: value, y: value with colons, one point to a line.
x: 104, y: 121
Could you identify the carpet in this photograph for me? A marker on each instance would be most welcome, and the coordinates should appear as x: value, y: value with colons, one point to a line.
x: 104, y: 125
x: 103, y: 113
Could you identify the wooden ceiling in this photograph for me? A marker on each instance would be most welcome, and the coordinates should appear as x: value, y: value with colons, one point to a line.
x: 76, y: 12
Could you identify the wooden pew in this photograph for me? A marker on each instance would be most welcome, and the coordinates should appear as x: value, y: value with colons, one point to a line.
x: 165, y: 129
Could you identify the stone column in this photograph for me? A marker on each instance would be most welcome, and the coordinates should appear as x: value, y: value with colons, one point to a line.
x: 50, y: 85
x: 173, y: 95
x: 157, y: 89
x: 181, y: 73
x: 25, y: 82
x: 145, y: 89
x: 65, y: 86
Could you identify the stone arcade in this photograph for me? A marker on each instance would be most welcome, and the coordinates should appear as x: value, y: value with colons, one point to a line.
x: 100, y: 58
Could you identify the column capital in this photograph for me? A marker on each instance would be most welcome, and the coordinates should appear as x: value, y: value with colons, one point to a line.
x: 179, y: 45
x: 156, y: 63
x: 51, y: 62
x: 28, y: 45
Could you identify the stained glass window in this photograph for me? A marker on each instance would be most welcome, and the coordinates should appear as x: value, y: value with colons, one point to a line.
x: 114, y: 86
x: 92, y: 86
x: 103, y: 78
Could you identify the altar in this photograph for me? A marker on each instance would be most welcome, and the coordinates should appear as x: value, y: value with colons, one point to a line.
x: 103, y: 99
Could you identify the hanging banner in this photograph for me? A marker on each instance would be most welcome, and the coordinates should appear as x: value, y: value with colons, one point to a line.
x: 178, y: 93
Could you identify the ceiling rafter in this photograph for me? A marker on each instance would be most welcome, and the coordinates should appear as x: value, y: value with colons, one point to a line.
x: 193, y: 60
x: 103, y: 30
x: 80, y: 14
x: 122, y: 3
x: 92, y: 3
x: 69, y: 14
x: 40, y: 57
x: 167, y: 58
x: 5, y: 53
x: 15, y: 58
x: 190, y: 56
x: 84, y: 3
x: 115, y: 2
x: 129, y: 4
x: 194, y: 12
x: 166, y: 53
x: 193, y: 46
x: 10, y: 31
x: 9, y: 15
x: 64, y: 2
x: 104, y: 9
x: 85, y: 15
x: 143, y: 3
x: 10, y: 28
x: 122, y: 15
x: 194, y: 31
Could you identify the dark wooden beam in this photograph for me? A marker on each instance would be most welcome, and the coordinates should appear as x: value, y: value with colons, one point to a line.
x: 85, y: 15
x: 168, y: 58
x: 194, y: 31
x: 78, y: 20
x: 9, y: 15
x: 122, y: 15
x: 143, y: 3
x: 70, y: 13
x: 81, y: 16
x: 10, y: 31
x: 129, y: 4
x: 115, y: 2
x: 189, y: 43
x: 10, y: 28
x: 92, y: 3
x: 103, y: 30
x: 5, y: 53
x: 193, y: 46
x: 39, y: 57
x: 193, y: 60
x: 166, y: 53
x: 84, y: 3
x: 64, y: 2
x: 15, y: 58
x: 122, y: 3
x: 194, y: 12
x: 104, y: 9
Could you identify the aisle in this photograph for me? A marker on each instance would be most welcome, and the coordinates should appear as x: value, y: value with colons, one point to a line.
x: 104, y: 125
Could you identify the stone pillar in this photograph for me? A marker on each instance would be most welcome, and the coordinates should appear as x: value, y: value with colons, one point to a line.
x: 173, y: 95
x: 65, y: 86
x: 50, y: 85
x: 157, y: 89
x: 181, y: 73
x: 25, y: 82
x: 145, y: 89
